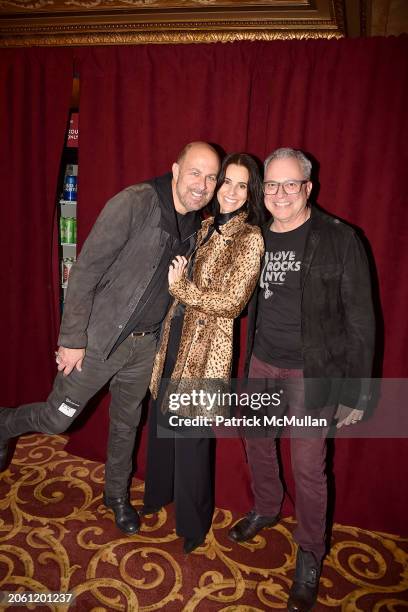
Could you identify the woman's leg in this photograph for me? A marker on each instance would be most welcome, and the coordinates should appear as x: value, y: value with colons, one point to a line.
x: 159, y: 477
x: 193, y: 487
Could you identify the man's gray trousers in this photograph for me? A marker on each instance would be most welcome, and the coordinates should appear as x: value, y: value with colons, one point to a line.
x: 128, y: 369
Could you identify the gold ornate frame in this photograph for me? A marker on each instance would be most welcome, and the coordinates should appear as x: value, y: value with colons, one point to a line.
x: 111, y: 22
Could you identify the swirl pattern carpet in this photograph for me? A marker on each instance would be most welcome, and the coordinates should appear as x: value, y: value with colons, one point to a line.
x: 57, y: 536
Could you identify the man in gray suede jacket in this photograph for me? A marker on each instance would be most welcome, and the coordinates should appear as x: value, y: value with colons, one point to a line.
x: 116, y: 300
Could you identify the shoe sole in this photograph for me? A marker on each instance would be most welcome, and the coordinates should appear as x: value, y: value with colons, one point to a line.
x: 129, y: 533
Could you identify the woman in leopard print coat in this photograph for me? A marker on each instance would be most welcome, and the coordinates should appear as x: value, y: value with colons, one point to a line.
x: 225, y: 269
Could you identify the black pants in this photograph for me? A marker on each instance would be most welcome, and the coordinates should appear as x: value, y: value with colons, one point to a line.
x: 128, y: 369
x: 179, y: 468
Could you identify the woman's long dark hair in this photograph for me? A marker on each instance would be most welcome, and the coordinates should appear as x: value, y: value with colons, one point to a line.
x: 254, y: 203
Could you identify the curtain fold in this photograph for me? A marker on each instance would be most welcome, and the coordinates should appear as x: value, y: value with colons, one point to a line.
x: 36, y: 86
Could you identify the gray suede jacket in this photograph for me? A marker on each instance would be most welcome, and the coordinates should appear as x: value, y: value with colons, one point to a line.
x: 116, y: 265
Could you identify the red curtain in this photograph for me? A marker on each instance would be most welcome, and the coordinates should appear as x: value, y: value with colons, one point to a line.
x: 343, y: 102
x: 35, y: 95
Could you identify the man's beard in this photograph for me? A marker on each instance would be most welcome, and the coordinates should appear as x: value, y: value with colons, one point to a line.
x: 193, y: 203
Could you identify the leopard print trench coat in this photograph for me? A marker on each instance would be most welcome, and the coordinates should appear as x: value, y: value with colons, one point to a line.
x: 225, y: 273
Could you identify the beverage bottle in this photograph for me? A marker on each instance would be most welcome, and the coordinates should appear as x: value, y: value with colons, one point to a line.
x: 70, y: 185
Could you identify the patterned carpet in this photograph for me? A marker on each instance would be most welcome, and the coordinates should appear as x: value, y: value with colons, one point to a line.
x: 56, y: 535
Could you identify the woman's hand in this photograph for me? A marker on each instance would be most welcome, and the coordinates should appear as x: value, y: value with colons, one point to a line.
x: 176, y: 269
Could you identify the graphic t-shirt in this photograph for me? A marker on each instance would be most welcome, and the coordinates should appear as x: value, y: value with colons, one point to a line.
x: 278, y: 335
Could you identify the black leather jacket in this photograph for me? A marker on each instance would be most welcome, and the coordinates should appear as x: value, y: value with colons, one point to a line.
x: 337, y: 318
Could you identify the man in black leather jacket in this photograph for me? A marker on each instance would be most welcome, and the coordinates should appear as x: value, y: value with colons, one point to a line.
x: 311, y: 331
x: 116, y: 300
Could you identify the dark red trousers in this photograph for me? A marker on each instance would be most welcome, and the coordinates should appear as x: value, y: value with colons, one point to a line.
x: 308, y: 458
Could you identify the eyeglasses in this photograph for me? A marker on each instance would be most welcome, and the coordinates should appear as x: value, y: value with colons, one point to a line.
x: 292, y: 187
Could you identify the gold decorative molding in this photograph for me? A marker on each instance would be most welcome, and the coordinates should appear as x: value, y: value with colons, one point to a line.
x: 159, y: 38
x: 63, y: 5
x: 112, y: 22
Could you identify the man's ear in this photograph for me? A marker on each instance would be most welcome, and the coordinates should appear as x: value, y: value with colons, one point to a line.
x: 175, y: 170
x: 309, y: 187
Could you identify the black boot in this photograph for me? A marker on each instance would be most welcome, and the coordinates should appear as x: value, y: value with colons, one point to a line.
x: 126, y: 517
x: 4, y: 447
x: 191, y: 544
x: 250, y: 525
x: 303, y: 593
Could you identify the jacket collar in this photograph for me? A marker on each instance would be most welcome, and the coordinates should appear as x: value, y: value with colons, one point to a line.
x: 312, y: 241
x: 228, y: 229
x: 179, y: 226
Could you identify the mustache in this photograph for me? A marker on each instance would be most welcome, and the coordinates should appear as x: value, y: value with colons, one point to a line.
x: 200, y: 191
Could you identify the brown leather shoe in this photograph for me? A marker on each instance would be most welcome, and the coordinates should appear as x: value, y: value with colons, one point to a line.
x: 303, y: 592
x: 250, y: 525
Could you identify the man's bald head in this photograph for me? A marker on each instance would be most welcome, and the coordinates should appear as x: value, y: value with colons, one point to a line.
x: 198, y: 144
